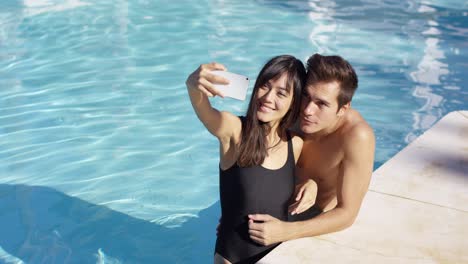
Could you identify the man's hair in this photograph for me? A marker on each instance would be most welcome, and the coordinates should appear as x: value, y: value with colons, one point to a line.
x: 333, y: 68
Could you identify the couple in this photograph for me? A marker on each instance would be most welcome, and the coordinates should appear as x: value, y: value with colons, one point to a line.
x: 297, y: 165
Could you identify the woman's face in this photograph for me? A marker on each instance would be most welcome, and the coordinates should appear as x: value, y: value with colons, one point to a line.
x: 274, y: 100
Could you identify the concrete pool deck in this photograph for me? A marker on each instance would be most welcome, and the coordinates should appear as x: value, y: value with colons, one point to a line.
x: 416, y: 209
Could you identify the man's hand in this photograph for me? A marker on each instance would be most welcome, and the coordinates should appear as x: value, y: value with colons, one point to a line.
x: 269, y: 230
x: 306, y: 193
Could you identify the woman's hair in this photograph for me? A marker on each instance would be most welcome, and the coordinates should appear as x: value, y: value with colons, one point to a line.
x: 254, y: 145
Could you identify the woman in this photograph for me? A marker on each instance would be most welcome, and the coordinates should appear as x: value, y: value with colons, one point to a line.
x: 251, y: 150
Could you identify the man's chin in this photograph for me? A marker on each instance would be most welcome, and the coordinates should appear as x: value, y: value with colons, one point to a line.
x: 308, y: 129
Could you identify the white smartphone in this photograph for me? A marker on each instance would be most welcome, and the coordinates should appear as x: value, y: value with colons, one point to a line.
x: 237, y: 87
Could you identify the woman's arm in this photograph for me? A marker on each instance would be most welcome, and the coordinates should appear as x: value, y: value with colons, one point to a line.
x: 305, y: 191
x: 222, y: 125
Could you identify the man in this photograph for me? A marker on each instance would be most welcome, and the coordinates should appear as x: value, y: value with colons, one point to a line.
x: 337, y: 156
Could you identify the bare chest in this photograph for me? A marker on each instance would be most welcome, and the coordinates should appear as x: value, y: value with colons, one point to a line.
x: 320, y: 161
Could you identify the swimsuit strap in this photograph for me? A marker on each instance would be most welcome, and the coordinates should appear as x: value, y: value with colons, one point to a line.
x: 290, y: 149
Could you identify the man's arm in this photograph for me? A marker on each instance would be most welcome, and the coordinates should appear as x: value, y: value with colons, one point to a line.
x: 352, y: 186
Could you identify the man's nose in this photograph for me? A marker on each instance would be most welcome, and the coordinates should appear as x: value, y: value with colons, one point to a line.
x: 310, y: 108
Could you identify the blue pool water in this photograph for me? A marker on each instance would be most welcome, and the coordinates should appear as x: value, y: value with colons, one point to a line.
x: 102, y: 159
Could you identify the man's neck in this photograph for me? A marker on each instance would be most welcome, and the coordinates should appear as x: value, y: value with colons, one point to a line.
x: 320, y: 135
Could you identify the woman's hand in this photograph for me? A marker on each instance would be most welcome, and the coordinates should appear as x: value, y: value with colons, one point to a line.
x: 306, y: 193
x: 203, y: 80
x: 201, y: 85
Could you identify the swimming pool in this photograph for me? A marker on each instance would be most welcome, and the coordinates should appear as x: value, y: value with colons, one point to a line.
x: 102, y: 159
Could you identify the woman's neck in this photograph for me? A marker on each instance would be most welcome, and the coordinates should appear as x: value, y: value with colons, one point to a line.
x: 273, y: 137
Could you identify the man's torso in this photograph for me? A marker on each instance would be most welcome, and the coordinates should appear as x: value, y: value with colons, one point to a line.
x: 321, y: 161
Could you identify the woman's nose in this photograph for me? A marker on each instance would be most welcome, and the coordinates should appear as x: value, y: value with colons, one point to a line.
x: 269, y: 96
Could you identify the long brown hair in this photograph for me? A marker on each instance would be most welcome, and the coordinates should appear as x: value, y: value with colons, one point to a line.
x: 254, y: 146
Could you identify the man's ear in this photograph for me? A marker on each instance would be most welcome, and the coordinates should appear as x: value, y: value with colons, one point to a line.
x: 343, y: 109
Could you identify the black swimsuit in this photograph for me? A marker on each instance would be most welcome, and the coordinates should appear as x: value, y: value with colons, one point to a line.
x: 251, y: 190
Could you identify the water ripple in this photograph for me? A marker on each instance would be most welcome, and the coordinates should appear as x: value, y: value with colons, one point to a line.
x: 94, y: 102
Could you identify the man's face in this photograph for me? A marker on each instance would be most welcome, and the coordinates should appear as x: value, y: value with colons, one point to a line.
x: 319, y: 107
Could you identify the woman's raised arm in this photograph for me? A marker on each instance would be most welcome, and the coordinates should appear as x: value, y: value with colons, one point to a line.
x: 200, y: 86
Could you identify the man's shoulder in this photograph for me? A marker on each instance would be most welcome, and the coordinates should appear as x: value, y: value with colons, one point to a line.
x: 358, y: 130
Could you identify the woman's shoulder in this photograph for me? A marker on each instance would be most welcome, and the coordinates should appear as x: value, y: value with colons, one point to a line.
x: 297, y: 143
x: 296, y: 140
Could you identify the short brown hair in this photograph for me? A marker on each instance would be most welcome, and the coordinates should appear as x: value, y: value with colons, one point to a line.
x: 333, y: 68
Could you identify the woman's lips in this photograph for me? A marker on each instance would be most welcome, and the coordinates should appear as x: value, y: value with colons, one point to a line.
x: 265, y: 109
